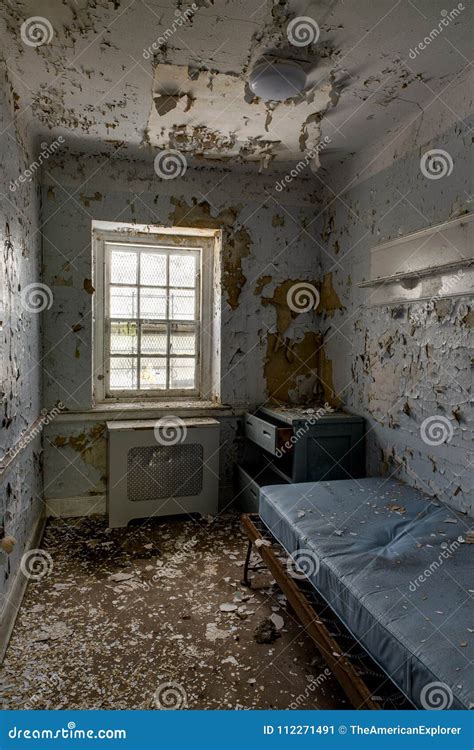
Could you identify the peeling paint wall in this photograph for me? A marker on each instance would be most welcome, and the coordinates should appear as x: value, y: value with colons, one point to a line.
x: 261, y: 238
x: 20, y: 242
x: 395, y: 368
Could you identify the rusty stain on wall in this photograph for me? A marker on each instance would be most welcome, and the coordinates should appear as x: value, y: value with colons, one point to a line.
x: 88, y: 199
x: 236, y: 240
x: 88, y: 287
x: 325, y: 367
x: 236, y: 204
x: 92, y: 446
x: 278, y: 220
x: 291, y: 367
x: 261, y: 282
x: 284, y: 313
x: 329, y: 297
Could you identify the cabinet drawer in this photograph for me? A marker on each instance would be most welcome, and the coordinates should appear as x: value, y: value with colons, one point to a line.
x: 265, y: 434
x: 249, y: 481
x: 248, y: 491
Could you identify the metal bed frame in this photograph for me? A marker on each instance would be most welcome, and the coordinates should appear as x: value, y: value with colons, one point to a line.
x: 362, y: 680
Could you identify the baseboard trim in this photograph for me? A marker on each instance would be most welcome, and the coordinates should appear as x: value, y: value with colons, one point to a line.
x: 15, y: 596
x: 75, y: 507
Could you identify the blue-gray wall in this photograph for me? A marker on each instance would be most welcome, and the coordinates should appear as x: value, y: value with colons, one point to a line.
x: 20, y: 242
x: 388, y: 364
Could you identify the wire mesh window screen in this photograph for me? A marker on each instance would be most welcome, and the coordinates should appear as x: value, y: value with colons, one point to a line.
x: 153, y: 321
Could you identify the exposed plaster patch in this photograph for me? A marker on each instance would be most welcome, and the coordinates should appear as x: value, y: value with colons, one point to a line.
x: 325, y: 366
x: 468, y: 319
x: 236, y: 246
x: 91, y: 444
x: 87, y: 199
x: 329, y: 297
x: 167, y: 102
x: 227, y: 120
x: 62, y: 281
x: 236, y: 242
x: 200, y: 140
x: 88, y: 286
x: 291, y: 367
x: 262, y: 281
x: 285, y: 315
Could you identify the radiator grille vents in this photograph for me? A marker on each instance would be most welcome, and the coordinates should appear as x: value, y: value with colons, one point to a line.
x: 164, y: 471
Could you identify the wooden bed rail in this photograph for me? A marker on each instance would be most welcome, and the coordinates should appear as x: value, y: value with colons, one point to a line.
x: 350, y: 681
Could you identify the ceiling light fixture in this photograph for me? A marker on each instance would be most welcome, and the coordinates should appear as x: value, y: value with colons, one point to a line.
x: 278, y: 80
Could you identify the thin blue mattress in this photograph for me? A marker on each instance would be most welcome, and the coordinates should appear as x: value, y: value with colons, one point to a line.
x: 391, y: 565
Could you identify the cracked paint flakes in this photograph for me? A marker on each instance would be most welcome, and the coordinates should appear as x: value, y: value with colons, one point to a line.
x: 20, y: 381
x: 206, y: 199
x: 248, y: 128
x: 400, y: 365
x: 112, y: 593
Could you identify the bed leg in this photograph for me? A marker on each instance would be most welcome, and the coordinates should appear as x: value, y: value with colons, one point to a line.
x: 246, y: 579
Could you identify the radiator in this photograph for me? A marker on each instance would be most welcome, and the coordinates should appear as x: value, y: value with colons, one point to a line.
x: 162, y: 467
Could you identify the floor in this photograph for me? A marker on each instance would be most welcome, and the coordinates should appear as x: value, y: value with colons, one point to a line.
x: 155, y: 617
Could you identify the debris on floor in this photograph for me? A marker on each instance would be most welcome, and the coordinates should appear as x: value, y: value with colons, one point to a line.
x: 266, y: 631
x: 154, y: 616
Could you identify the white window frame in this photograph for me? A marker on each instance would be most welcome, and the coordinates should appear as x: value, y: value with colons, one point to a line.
x: 207, y: 243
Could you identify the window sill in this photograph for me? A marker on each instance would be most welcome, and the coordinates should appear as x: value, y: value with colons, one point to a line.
x: 143, y: 410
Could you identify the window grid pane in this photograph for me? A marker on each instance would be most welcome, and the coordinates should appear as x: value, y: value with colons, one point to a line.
x: 147, y: 300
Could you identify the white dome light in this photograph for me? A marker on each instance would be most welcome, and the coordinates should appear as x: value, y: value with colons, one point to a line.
x: 277, y: 81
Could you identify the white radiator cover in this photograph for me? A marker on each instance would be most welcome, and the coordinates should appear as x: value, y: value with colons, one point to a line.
x: 162, y: 467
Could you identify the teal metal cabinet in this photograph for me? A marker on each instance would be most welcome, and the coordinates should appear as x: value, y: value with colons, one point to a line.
x: 297, y: 444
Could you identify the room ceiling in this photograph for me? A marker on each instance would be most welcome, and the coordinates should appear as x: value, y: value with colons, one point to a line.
x: 140, y: 76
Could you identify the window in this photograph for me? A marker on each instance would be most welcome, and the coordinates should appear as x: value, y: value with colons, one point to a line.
x: 153, y: 314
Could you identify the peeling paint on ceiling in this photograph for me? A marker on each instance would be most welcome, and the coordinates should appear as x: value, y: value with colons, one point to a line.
x: 211, y: 115
x: 126, y: 77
